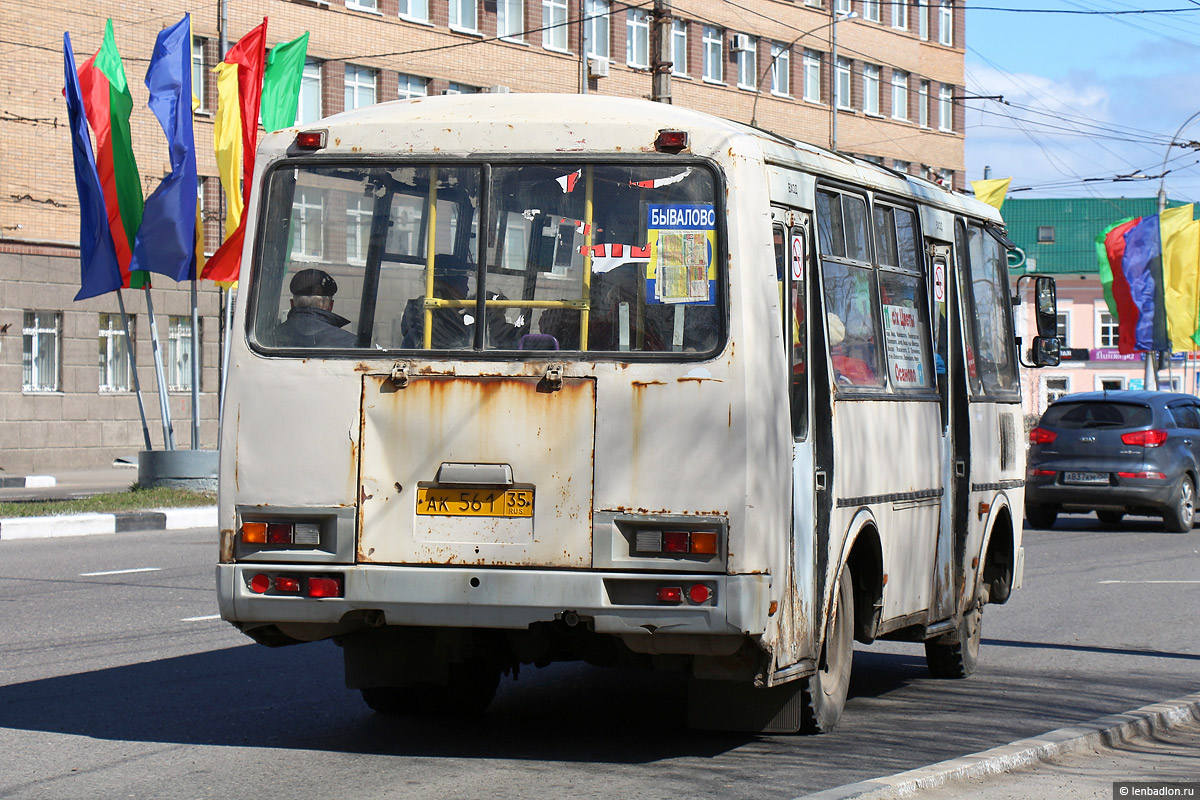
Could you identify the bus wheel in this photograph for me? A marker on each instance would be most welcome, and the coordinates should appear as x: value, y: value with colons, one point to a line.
x: 956, y: 654
x: 825, y: 690
x: 470, y: 689
x: 391, y: 699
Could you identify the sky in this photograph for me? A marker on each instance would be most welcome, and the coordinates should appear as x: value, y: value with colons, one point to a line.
x: 1091, y: 102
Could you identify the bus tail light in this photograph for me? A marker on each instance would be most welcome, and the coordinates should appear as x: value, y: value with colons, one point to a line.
x: 699, y: 593
x: 671, y: 141
x: 310, y: 140
x: 670, y: 594
x: 655, y: 542
x: 296, y: 584
x: 288, y: 533
x: 676, y: 542
x: 324, y: 587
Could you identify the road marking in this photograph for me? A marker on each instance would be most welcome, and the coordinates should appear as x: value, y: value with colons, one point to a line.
x: 1149, y: 581
x: 119, y: 572
x: 200, y: 619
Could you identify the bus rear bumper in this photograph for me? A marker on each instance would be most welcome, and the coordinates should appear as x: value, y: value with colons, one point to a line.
x: 472, y: 597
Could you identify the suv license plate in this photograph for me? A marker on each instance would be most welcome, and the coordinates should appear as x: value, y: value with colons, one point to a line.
x: 475, y: 502
x: 1085, y: 477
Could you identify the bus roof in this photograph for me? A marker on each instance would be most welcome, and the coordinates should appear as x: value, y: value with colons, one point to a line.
x: 574, y: 123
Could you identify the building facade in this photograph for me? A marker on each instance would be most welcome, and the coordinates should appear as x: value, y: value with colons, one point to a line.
x: 892, y: 94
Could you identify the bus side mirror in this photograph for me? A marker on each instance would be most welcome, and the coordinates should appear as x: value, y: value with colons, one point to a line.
x: 1045, y: 352
x: 1046, y: 309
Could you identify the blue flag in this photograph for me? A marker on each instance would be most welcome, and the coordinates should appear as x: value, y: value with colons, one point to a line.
x: 1142, y: 265
x: 99, y: 271
x: 166, y: 241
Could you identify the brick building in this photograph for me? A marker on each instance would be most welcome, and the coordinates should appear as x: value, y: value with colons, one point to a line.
x: 899, y: 73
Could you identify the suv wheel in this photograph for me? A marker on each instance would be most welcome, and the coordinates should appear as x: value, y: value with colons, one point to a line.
x: 1040, y: 516
x: 1178, y: 518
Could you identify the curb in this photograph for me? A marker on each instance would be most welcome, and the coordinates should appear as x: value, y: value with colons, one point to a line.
x: 1106, y: 731
x: 29, y: 482
x: 168, y: 519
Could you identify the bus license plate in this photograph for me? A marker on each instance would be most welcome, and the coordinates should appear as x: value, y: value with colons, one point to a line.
x: 1085, y: 477
x: 475, y: 502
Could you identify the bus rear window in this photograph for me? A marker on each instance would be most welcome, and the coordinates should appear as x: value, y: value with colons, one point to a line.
x: 582, y: 258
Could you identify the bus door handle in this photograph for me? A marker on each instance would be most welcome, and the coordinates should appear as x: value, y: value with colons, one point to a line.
x: 552, y: 381
x: 399, y: 375
x: 821, y: 480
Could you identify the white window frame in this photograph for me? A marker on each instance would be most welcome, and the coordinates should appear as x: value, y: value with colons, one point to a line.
x: 370, y: 6
x: 947, y: 177
x: 1106, y: 326
x: 923, y: 104
x: 747, y: 63
x: 946, y: 108
x: 904, y: 167
x: 179, y: 352
x: 554, y: 25
x: 114, y: 353
x: 871, y: 11
x: 637, y: 38
x: 871, y: 89
x: 461, y: 88
x: 946, y: 23
x: 900, y: 95
x: 1049, y: 395
x: 1063, y: 327
x: 841, y: 6
x: 415, y: 10
x: 781, y: 70
x: 510, y: 19
x: 812, y: 76
x: 410, y: 86
x: 713, y: 46
x: 358, y: 229
x: 679, y: 50
x: 900, y: 14
x: 1120, y: 380
x: 199, y: 73
x: 41, y: 331
x: 464, y: 16
x: 358, y: 81
x: 599, y: 40
x: 310, y: 83
x: 923, y: 20
x: 843, y: 87
x: 307, y: 211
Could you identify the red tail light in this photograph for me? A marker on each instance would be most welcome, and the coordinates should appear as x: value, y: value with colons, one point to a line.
x: 1042, y: 473
x: 324, y: 587
x: 1154, y: 476
x: 1042, y: 436
x: 1151, y: 438
x: 670, y: 594
x: 310, y: 140
x: 699, y: 593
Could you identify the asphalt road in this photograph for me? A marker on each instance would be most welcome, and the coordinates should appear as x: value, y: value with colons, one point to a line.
x: 125, y: 685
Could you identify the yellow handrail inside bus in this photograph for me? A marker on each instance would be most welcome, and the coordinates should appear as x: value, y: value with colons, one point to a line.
x: 585, y: 310
x: 430, y: 249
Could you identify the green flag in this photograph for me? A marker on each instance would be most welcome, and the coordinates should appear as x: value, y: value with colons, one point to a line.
x: 281, y: 83
x: 1106, y: 276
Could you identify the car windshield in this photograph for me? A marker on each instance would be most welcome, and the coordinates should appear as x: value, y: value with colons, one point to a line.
x: 1103, y: 414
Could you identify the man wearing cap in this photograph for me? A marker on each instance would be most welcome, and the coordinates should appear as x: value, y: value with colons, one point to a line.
x: 311, y: 321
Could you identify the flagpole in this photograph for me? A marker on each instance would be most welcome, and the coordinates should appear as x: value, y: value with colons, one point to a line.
x: 163, y: 403
x: 225, y: 356
x: 195, y: 368
x: 137, y: 385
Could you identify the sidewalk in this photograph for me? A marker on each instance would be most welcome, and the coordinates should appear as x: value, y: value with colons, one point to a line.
x: 1159, y: 743
x: 69, y: 484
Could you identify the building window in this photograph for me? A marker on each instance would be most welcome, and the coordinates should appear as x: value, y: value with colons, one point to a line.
x: 179, y: 352
x: 679, y: 43
x: 637, y: 38
x: 597, y: 28
x: 842, y: 84
x: 114, y: 354
x: 363, y: 5
x: 903, y: 167
x: 360, y: 87
x: 308, y: 218
x: 308, y: 109
x: 358, y: 229
x: 923, y: 20
x: 1064, y: 328
x: 1106, y: 330
x: 40, y: 351
x: 510, y: 18
x: 871, y: 10
x: 841, y: 6
x: 946, y: 178
x: 415, y: 10
x: 781, y: 70
x: 199, y: 73
x: 1116, y: 384
x: 464, y: 16
x: 923, y: 104
x: 946, y: 23
x: 713, y: 41
x: 900, y: 15
x: 410, y: 86
x: 946, y: 108
x: 1045, y: 234
x: 461, y: 88
x: 899, y: 95
x: 554, y: 25
x: 747, y: 61
x: 812, y: 76
x: 1056, y: 388
x: 871, y: 89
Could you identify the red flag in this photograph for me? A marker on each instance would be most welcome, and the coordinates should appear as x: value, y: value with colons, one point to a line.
x: 1127, y: 310
x: 250, y: 56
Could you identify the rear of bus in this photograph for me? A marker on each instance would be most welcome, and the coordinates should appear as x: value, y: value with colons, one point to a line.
x: 533, y: 444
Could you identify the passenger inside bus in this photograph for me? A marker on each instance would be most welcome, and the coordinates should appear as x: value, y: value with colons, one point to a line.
x: 310, y: 321
x: 850, y: 369
x: 453, y: 328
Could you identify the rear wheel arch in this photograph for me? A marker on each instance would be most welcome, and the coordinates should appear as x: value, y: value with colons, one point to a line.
x: 999, y: 557
x: 865, y: 562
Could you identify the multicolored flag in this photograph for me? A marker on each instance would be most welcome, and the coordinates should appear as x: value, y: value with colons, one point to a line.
x: 166, y: 241
x: 239, y: 85
x: 100, y: 272
x: 108, y: 104
x: 281, y: 83
x: 1124, y: 308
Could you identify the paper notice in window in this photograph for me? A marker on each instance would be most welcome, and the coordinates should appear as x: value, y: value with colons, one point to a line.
x: 905, y: 338
x: 683, y: 241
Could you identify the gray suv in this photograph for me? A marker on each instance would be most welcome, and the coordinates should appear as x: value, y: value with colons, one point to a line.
x: 1115, y: 453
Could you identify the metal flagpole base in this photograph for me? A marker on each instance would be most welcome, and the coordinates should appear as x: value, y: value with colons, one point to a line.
x: 178, y: 469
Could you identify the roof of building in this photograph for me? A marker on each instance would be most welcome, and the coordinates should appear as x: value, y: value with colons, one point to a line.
x: 1068, y: 229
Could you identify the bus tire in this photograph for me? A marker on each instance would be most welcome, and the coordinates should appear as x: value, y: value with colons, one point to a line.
x: 824, y: 692
x: 470, y: 690
x: 391, y: 699
x: 957, y: 654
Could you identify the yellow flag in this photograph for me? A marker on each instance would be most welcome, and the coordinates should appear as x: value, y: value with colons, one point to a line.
x: 1181, y: 274
x: 227, y: 136
x: 991, y: 191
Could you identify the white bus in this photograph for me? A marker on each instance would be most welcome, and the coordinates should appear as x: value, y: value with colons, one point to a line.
x: 735, y: 402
